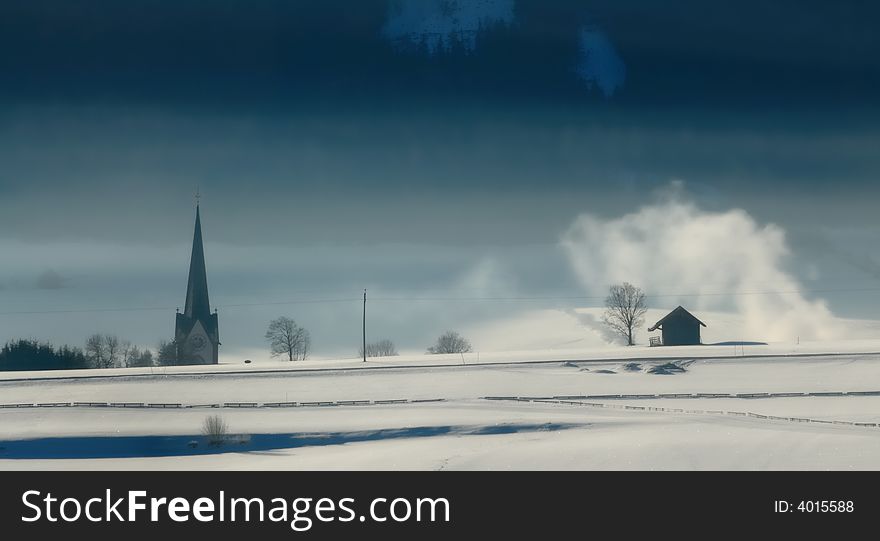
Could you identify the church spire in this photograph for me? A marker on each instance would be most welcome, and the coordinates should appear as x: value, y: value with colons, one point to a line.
x: 196, y: 332
x: 197, y: 304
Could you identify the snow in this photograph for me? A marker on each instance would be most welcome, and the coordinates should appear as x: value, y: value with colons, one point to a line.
x: 596, y: 439
x: 592, y: 354
x: 464, y: 430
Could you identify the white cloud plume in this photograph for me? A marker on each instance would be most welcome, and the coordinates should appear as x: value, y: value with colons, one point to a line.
x: 705, y: 260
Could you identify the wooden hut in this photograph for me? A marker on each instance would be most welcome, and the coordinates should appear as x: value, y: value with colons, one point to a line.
x: 679, y: 328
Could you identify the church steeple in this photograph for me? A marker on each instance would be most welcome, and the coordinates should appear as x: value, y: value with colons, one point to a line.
x: 196, y: 330
x: 197, y: 304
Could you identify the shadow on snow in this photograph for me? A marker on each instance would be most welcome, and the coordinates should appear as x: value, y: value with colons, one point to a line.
x: 161, y: 446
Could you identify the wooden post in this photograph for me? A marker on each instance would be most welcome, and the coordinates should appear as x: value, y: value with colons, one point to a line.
x: 365, y: 325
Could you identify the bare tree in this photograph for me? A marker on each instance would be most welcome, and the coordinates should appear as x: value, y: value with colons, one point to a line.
x: 128, y: 351
x: 114, y: 349
x: 103, y: 351
x: 133, y: 356
x: 450, y: 342
x: 287, y: 338
x: 95, y: 352
x: 625, y: 309
x: 382, y: 348
x: 166, y: 353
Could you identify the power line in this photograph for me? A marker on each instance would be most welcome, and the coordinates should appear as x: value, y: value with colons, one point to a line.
x: 444, y: 299
x: 299, y: 301
x: 168, y: 308
x: 649, y: 296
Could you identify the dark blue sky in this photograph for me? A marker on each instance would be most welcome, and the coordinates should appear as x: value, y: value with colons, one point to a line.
x: 471, y: 129
x: 282, y: 55
x: 703, y: 86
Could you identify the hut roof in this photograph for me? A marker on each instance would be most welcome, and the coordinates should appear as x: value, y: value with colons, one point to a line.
x: 678, y: 311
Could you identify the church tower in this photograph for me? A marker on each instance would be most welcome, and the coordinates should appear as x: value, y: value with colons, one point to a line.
x: 196, y: 331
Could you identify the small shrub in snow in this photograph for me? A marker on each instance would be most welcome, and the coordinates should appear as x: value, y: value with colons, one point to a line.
x: 382, y: 348
x: 215, y: 429
x: 450, y: 342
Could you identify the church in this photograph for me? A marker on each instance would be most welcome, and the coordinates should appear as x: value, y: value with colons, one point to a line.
x: 196, y: 332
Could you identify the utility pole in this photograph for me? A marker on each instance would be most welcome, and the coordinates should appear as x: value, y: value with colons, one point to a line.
x: 365, y: 325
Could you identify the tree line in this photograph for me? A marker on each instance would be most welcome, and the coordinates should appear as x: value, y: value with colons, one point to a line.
x: 99, y: 351
x: 625, y: 308
x: 287, y: 339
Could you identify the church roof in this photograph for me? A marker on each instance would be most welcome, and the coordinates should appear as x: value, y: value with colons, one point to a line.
x: 197, y: 304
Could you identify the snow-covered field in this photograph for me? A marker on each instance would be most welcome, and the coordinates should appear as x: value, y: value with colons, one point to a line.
x: 593, y: 353
x: 462, y: 430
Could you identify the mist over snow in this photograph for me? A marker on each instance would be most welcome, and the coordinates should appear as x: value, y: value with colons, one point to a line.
x: 705, y: 260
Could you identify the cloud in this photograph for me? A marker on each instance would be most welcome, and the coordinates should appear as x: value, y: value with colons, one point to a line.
x: 599, y: 64
x: 487, y: 277
x: 681, y: 254
x: 50, y: 279
x: 438, y: 25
